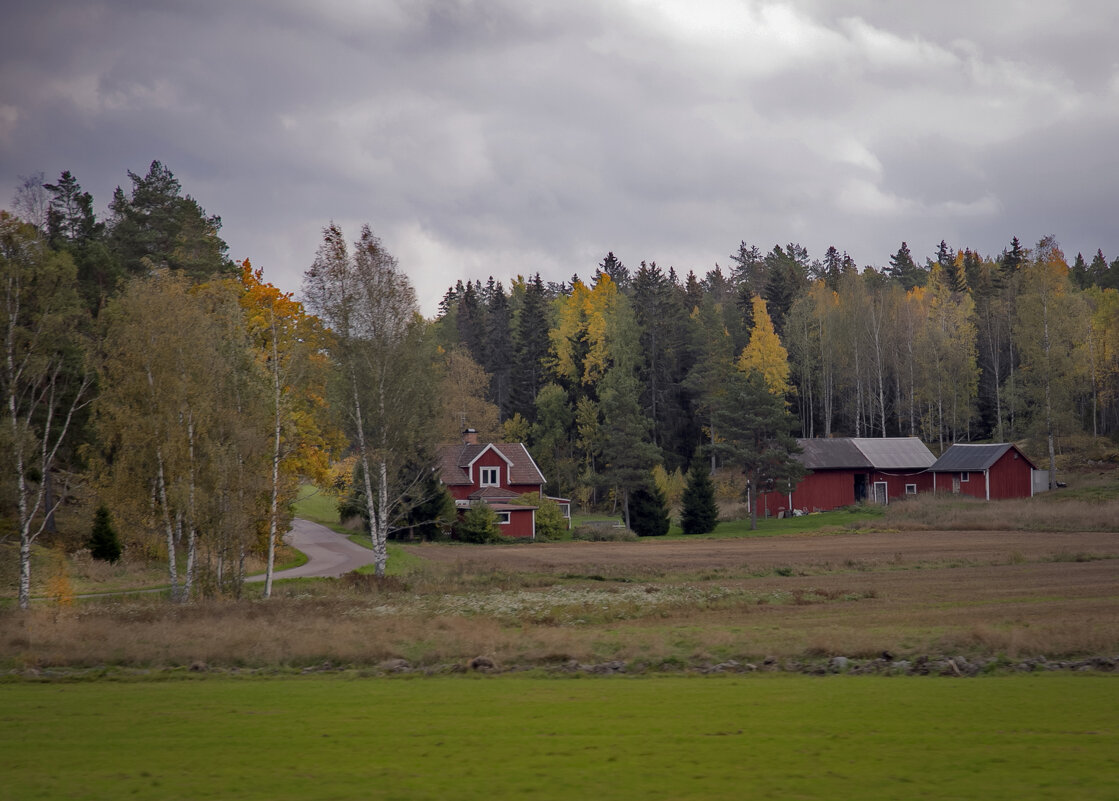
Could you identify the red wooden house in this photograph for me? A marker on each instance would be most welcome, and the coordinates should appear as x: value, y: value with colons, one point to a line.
x: 990, y: 472
x: 849, y: 470
x: 495, y: 472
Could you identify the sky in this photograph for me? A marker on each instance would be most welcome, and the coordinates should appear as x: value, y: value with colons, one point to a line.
x: 509, y: 137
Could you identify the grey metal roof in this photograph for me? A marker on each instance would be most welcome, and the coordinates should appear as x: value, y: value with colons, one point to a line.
x: 972, y: 457
x: 865, y: 453
x: 831, y: 454
x: 896, y: 453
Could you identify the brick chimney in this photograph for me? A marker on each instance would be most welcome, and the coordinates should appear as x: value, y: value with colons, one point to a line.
x: 470, y: 437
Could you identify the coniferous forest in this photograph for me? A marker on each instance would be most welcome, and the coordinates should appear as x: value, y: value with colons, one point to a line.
x: 146, y: 373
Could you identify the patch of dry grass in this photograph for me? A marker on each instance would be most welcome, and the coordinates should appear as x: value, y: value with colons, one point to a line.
x: 1041, y: 513
x: 1016, y: 601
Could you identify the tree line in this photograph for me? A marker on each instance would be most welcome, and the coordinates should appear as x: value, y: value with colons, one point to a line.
x: 961, y: 348
x: 146, y: 372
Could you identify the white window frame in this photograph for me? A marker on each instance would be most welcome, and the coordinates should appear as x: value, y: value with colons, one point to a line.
x: 965, y: 476
x: 503, y: 518
x: 489, y: 476
x: 910, y: 489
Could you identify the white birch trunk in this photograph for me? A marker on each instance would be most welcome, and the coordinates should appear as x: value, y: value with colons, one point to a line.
x: 169, y: 528
x: 274, y: 501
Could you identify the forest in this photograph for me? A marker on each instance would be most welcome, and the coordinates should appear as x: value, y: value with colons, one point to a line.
x: 150, y: 380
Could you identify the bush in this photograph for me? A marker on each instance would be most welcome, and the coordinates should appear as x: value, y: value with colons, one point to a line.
x: 104, y: 544
x: 648, y: 513
x: 593, y: 533
x: 550, y: 522
x: 479, y: 524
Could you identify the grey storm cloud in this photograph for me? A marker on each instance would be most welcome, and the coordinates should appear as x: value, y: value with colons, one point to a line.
x: 502, y: 138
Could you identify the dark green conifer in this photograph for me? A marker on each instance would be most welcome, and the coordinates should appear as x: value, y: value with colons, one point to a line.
x: 700, y: 512
x: 648, y: 512
x: 103, y: 541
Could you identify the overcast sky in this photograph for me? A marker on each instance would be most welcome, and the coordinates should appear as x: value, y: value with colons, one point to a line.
x: 516, y: 136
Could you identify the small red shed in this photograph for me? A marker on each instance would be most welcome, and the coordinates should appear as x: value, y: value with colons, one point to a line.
x: 990, y: 472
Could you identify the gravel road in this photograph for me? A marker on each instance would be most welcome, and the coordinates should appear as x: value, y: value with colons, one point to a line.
x: 328, y: 554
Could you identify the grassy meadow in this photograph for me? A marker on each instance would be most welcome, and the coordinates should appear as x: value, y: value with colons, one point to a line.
x: 781, y: 737
x: 475, y: 671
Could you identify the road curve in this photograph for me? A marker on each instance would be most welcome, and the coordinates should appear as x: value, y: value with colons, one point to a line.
x: 329, y: 554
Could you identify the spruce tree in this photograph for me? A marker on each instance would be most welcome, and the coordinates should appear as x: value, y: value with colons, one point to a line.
x: 700, y: 512
x: 103, y: 541
x: 648, y: 511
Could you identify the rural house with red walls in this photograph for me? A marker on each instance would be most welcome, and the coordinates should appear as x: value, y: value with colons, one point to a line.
x: 496, y: 473
x: 990, y: 472
x: 849, y: 470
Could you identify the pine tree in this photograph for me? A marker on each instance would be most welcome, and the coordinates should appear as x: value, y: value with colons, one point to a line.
x: 1014, y: 257
x: 648, y: 512
x: 753, y: 428
x: 103, y: 541
x: 904, y: 270
x: 530, y: 348
x: 700, y: 512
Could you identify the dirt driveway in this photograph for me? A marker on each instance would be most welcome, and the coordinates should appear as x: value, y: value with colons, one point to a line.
x: 808, y: 549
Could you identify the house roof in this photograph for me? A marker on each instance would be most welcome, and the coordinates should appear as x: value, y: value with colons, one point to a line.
x: 896, y: 453
x: 830, y: 454
x: 455, y: 461
x: 967, y: 457
x: 865, y: 453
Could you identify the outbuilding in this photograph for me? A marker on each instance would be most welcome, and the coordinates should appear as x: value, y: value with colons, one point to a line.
x: 849, y: 470
x: 990, y: 471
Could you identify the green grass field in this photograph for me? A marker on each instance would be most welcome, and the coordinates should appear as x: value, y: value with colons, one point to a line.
x: 780, y: 737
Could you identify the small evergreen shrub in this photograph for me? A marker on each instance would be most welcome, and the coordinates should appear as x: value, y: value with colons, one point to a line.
x: 700, y: 512
x: 104, y: 544
x: 648, y: 512
x: 479, y: 524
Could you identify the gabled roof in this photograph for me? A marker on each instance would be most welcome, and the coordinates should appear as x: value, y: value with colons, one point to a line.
x: 896, y: 453
x: 455, y: 461
x: 831, y: 454
x: 865, y: 453
x: 967, y: 457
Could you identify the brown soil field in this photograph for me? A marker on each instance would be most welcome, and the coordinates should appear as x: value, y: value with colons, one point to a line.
x: 820, y: 550
x: 668, y: 605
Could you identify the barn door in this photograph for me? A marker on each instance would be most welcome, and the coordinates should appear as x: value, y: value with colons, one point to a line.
x: 880, y: 494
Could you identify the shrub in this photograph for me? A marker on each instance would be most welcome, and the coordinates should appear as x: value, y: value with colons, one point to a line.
x: 550, y: 522
x: 104, y: 544
x: 648, y: 514
x: 592, y: 533
x: 479, y: 524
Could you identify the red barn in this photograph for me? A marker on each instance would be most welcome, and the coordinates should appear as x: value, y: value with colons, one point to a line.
x: 849, y: 470
x: 495, y: 472
x: 989, y: 472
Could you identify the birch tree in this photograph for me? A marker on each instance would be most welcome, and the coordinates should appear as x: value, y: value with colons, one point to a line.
x: 1051, y: 327
x: 381, y: 350
x: 288, y: 344
x: 180, y: 421
x: 43, y: 378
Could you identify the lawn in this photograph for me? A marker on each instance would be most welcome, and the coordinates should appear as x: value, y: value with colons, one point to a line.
x: 340, y: 737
